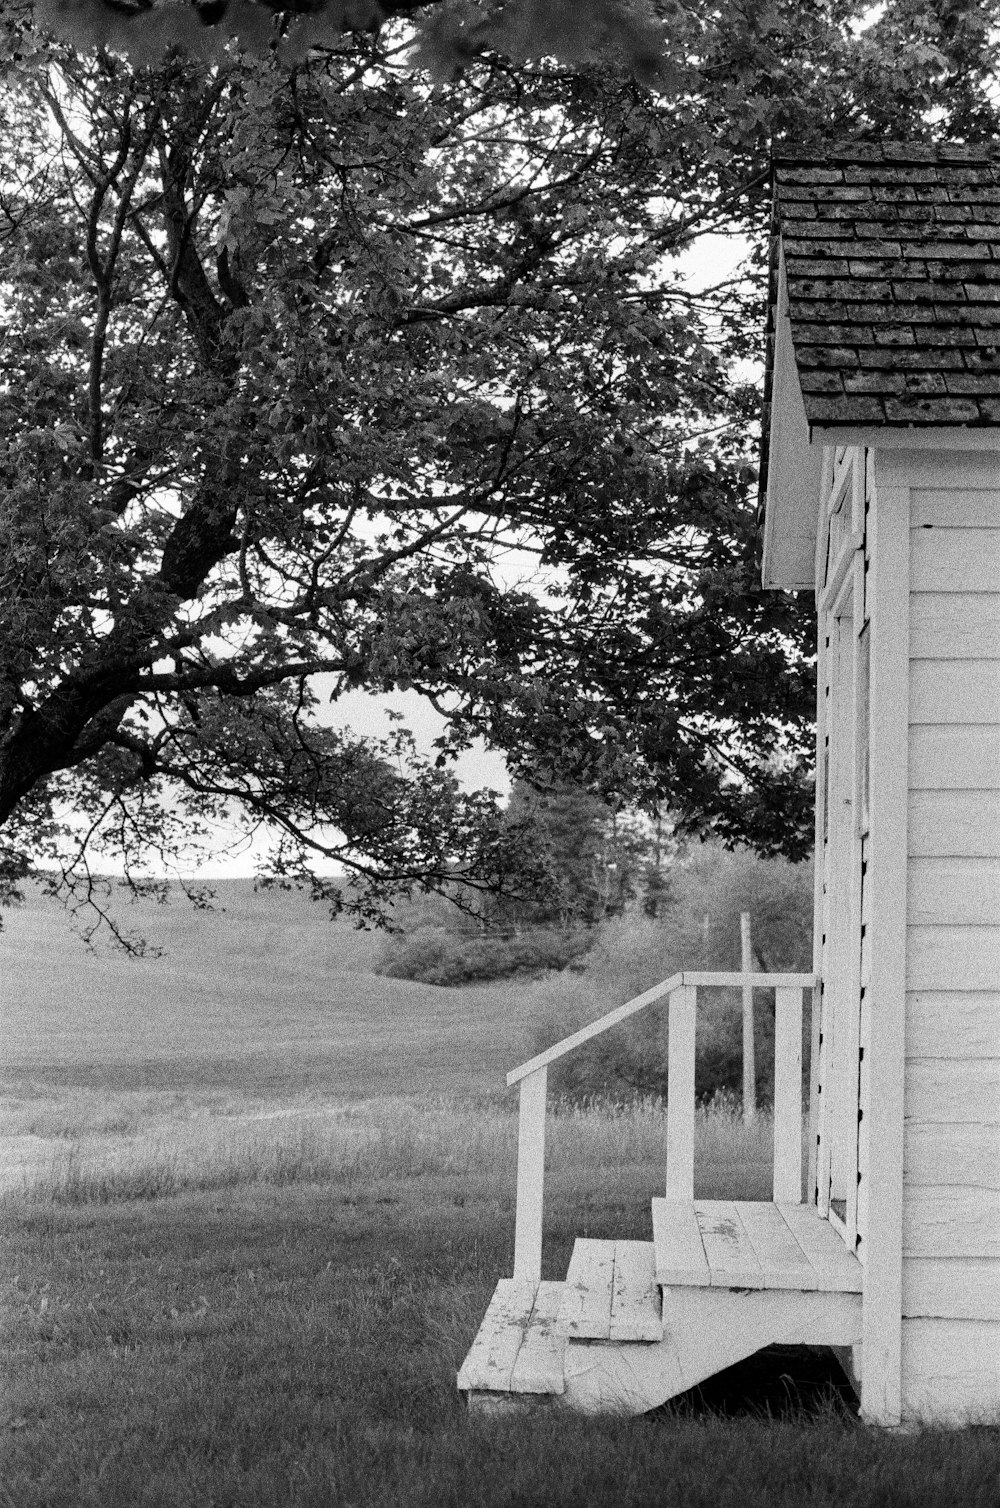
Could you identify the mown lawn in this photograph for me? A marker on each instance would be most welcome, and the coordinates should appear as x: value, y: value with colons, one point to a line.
x: 280, y: 1319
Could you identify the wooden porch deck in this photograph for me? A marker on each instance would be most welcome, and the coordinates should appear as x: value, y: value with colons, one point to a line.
x: 713, y: 1243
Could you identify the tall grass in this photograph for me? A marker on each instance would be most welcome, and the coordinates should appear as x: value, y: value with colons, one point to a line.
x: 101, y: 1154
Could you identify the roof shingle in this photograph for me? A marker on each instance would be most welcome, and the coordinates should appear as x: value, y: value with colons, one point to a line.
x: 892, y: 257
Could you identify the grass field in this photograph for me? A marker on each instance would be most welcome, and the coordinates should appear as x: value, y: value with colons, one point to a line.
x: 265, y: 996
x: 245, y: 1278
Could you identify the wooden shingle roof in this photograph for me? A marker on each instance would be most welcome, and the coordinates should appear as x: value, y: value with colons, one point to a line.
x: 892, y: 257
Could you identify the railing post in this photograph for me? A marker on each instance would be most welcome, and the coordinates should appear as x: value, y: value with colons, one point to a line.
x: 680, y: 1093
x: 749, y: 1050
x: 530, y: 1177
x: 788, y: 1095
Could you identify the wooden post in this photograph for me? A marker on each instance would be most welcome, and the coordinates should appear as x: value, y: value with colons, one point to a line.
x: 749, y: 1054
x: 680, y: 1093
x: 812, y: 1174
x: 882, y: 1249
x: 530, y: 1177
x: 788, y: 1096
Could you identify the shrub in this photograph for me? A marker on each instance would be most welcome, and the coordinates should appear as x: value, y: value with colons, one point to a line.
x: 437, y: 955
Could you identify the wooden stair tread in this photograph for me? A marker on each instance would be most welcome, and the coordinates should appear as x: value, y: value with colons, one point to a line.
x: 742, y: 1244
x: 611, y: 1292
x: 517, y: 1349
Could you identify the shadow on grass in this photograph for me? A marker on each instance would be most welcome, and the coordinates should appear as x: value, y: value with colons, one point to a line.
x: 793, y: 1383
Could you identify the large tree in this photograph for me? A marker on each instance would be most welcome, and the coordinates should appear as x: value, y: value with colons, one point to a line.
x: 316, y: 374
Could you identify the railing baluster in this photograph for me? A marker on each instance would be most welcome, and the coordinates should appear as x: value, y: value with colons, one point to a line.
x: 788, y: 1095
x: 680, y: 1093
x: 530, y: 1177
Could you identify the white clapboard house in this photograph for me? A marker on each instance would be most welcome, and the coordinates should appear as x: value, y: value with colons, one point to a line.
x: 881, y: 480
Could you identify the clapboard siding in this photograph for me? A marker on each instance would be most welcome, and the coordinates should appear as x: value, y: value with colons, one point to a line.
x: 949, y: 1024
x: 953, y: 958
x: 953, y: 1090
x: 954, y: 691
x: 950, y: 892
x: 950, y: 626
x: 955, y: 824
x: 957, y: 757
x: 951, y: 1142
x: 951, y: 1370
x: 952, y: 1221
x: 967, y: 1153
x: 954, y: 560
x: 940, y: 469
x: 954, y: 508
x: 939, y: 1288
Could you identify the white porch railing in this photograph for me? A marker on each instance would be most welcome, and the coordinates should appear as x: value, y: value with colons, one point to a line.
x: 682, y: 993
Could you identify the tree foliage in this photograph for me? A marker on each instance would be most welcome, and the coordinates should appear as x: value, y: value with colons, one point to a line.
x: 448, y: 35
x: 597, y: 855
x: 317, y: 374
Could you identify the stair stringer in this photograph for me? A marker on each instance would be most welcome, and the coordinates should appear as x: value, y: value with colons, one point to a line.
x: 705, y: 1331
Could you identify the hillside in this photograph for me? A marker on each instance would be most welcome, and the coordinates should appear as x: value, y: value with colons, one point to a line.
x: 263, y: 993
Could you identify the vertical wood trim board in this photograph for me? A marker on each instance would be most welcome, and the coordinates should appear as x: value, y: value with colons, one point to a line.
x: 887, y: 854
x: 820, y: 1152
x: 811, y: 1163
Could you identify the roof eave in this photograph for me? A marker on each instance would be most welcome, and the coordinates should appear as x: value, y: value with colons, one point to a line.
x: 794, y: 463
x: 909, y: 437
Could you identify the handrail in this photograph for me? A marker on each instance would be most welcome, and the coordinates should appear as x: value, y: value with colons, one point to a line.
x: 632, y: 1007
x: 621, y: 1013
x: 682, y: 990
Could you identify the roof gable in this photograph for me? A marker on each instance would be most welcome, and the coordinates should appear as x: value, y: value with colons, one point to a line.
x: 883, y: 320
x: 892, y: 256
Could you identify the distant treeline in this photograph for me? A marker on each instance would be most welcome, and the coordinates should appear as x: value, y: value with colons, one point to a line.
x: 582, y: 970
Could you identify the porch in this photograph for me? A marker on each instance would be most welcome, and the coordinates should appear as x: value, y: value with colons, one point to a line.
x: 636, y: 1322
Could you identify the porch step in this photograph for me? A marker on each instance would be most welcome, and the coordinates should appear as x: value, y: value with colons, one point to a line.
x: 713, y: 1243
x: 518, y: 1356
x: 517, y: 1349
x: 611, y: 1293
